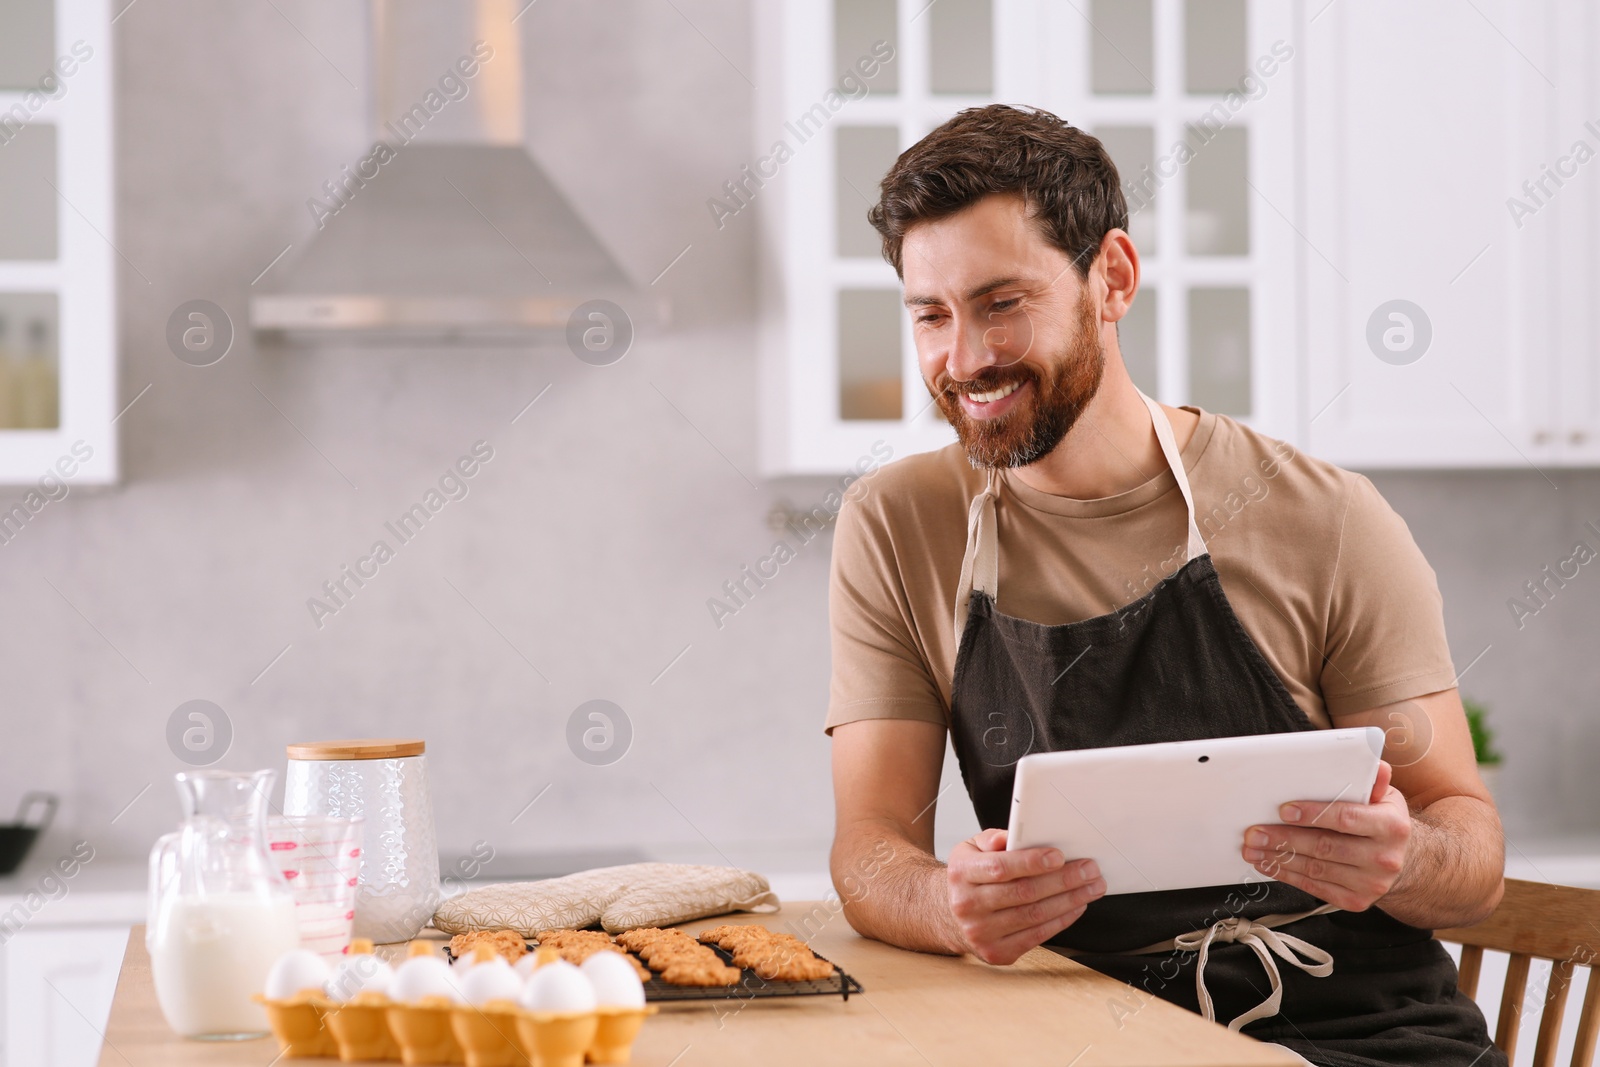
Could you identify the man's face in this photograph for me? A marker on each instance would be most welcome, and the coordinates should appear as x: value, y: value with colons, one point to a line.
x: 1007, y: 334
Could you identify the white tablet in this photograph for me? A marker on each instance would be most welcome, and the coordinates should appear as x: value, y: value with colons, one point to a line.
x: 1173, y: 815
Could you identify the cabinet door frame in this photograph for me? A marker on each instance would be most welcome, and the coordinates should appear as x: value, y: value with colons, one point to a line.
x: 36, y: 1010
x: 802, y: 432
x: 1268, y: 270
x: 1577, y: 416
x: 83, y: 276
x: 1475, y: 398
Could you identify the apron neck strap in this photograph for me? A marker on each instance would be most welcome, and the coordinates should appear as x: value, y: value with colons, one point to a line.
x: 1169, y: 449
x: 980, y: 564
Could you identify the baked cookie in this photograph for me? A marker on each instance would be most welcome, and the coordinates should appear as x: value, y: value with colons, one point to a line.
x: 507, y: 943
x: 785, y: 967
x: 700, y: 972
x: 575, y: 946
x: 773, y: 956
x: 680, y: 958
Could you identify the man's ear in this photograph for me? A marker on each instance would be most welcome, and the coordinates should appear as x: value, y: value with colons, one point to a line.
x: 1118, y: 265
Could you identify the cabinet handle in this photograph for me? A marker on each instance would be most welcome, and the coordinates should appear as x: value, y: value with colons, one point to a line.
x: 1541, y: 437
x: 1578, y: 437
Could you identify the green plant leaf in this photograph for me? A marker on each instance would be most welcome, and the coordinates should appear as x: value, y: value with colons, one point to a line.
x: 1482, y: 736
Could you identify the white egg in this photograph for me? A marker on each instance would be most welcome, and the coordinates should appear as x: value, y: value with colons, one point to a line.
x: 491, y: 980
x: 359, y: 974
x: 524, y: 966
x: 558, y: 987
x: 423, y: 976
x: 296, y: 970
x: 616, y: 984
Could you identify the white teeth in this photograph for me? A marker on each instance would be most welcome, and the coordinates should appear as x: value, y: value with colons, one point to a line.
x: 999, y: 394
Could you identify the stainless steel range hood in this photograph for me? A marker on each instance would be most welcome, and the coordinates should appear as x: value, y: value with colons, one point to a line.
x: 446, y: 228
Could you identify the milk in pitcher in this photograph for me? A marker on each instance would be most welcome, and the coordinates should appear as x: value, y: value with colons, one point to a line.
x: 212, y: 954
x: 220, y: 912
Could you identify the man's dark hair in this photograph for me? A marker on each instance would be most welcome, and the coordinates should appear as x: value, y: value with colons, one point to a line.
x: 1063, y: 175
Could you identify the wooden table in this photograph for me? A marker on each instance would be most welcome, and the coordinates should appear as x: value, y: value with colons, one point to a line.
x: 918, y: 1010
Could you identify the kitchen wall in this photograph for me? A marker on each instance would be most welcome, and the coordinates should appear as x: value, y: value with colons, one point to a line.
x: 1488, y: 534
x: 580, y: 562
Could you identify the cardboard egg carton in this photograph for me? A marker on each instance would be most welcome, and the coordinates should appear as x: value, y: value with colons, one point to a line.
x: 437, y: 1030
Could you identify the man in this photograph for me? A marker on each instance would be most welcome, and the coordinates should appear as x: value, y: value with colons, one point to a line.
x: 1043, y: 585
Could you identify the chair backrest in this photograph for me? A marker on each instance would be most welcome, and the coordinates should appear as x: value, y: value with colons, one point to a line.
x: 1551, y: 922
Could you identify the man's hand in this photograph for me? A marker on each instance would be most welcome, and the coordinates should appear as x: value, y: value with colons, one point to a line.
x: 1348, y: 854
x: 1006, y: 903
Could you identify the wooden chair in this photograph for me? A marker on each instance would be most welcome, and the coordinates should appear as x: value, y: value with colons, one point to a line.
x: 1551, y: 922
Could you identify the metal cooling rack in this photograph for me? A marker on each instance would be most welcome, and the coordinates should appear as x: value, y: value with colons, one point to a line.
x: 751, y: 984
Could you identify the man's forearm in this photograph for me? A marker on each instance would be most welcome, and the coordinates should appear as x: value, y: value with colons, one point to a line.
x: 893, y: 890
x: 1455, y: 863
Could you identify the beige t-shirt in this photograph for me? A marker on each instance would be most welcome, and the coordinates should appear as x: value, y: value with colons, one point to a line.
x: 1320, y: 570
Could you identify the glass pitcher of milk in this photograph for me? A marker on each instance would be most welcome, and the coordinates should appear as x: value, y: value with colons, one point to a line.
x: 220, y: 912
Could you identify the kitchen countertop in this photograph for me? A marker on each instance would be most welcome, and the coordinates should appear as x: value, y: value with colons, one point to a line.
x: 111, y: 891
x: 1571, y: 860
x: 918, y: 1010
x: 101, y: 893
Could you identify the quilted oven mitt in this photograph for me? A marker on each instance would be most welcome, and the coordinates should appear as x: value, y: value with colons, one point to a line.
x: 618, y: 898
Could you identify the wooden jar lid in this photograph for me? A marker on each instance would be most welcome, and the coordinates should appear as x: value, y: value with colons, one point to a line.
x: 357, y: 748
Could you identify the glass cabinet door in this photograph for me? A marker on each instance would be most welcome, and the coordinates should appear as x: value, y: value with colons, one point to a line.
x: 29, y: 373
x: 57, y: 321
x: 961, y: 47
x: 1209, y: 218
x: 27, y: 47
x: 1192, y: 100
x: 1185, y: 169
x: 878, y: 74
x: 29, y: 379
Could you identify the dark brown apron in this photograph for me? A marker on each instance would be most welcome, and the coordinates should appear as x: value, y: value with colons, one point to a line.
x: 1342, y: 989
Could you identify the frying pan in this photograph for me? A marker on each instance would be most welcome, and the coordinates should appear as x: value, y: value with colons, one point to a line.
x: 17, y: 837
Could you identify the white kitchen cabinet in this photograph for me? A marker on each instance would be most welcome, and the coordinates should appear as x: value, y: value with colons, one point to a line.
x: 1423, y: 122
x: 1215, y: 321
x: 1196, y: 102
x: 839, y: 372
x: 57, y: 259
x: 1576, y: 426
x: 1385, y: 250
x: 58, y: 985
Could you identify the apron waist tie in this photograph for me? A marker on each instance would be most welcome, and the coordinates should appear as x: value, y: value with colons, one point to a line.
x: 1264, y: 940
x: 1261, y: 937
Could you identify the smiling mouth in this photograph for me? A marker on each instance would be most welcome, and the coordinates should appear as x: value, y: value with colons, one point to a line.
x: 996, y: 394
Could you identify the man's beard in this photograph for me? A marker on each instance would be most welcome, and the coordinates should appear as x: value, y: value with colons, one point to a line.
x: 1060, y: 395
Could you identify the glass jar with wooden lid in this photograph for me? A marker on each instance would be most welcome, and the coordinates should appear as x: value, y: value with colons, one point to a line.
x: 384, y: 781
